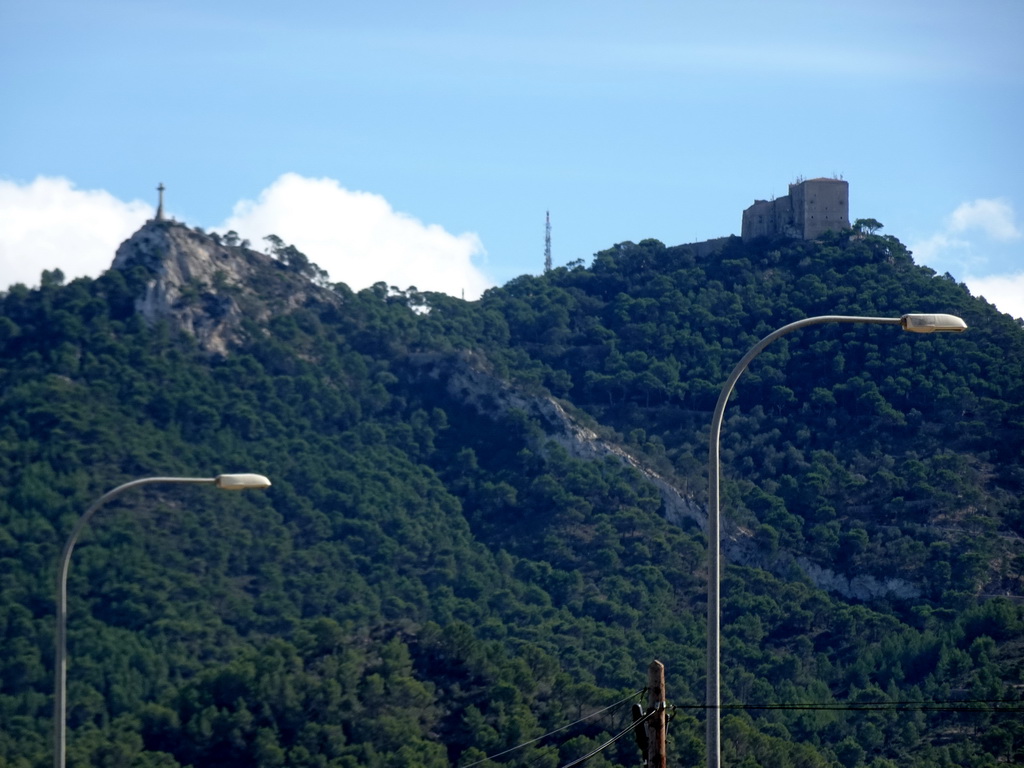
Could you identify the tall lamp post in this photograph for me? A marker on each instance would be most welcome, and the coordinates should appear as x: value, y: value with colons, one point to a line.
x: 237, y: 482
x: 913, y: 323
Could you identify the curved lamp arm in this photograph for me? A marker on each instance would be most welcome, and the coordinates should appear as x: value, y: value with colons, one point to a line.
x: 227, y: 482
x: 915, y: 323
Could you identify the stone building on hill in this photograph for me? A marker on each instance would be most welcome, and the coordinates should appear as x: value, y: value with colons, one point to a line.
x: 811, y: 208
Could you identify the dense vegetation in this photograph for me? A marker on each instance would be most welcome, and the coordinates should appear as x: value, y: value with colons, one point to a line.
x: 424, y: 585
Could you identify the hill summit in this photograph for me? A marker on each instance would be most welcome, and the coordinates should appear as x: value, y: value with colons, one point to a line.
x: 208, y: 287
x: 469, y: 546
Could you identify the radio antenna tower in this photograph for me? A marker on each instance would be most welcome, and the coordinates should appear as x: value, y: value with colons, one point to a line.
x: 547, y: 241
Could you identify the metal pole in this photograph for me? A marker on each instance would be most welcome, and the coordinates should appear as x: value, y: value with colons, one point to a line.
x: 60, y: 657
x: 713, y: 695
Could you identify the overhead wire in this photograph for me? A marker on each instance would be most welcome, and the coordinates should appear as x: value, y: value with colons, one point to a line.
x: 926, y: 706
x: 629, y: 729
x: 876, y: 706
x: 618, y: 703
x: 952, y: 705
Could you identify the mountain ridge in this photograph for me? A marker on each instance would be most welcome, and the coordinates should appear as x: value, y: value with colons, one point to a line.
x: 435, y: 577
x: 200, y: 286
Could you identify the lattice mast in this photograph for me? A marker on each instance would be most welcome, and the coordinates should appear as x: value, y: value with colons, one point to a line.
x: 547, y: 241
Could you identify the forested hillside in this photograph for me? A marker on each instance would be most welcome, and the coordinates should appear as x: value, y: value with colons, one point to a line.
x: 430, y: 581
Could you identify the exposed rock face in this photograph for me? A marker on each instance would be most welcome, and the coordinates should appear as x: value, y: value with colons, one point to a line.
x: 467, y: 379
x: 860, y: 587
x: 205, y: 288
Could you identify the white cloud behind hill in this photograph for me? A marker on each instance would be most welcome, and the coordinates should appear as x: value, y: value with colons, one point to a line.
x: 48, y: 223
x: 1005, y: 291
x: 360, y: 239
x: 965, y: 245
x: 356, y: 236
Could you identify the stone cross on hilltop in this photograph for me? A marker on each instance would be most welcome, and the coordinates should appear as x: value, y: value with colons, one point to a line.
x: 160, y: 208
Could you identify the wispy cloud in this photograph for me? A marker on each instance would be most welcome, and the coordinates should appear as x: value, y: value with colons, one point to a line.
x: 48, y: 223
x: 972, y: 231
x: 960, y: 243
x: 942, y: 248
x: 360, y: 239
x: 992, y: 217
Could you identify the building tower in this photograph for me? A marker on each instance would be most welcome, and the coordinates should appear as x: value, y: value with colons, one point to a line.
x: 812, y: 208
x: 547, y: 241
x: 160, y: 207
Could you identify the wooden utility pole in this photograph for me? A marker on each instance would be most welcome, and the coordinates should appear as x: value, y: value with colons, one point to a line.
x: 656, y: 754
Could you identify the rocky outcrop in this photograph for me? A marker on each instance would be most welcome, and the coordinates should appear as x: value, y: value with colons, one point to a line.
x: 467, y: 378
x: 205, y: 288
x: 859, y: 587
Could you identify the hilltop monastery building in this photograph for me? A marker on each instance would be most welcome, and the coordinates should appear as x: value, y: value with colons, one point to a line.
x: 811, y: 208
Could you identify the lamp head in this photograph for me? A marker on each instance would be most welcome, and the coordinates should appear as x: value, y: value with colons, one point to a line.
x: 241, y: 482
x: 932, y: 323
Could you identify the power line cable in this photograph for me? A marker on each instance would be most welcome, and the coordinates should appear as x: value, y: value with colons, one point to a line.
x: 629, y: 729
x: 879, y: 706
x: 559, y: 730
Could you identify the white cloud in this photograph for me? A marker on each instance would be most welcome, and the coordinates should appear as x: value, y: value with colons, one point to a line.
x: 360, y: 239
x: 941, y: 248
x: 47, y: 224
x: 356, y: 236
x: 972, y: 246
x: 994, y: 217
x: 973, y: 241
x: 1005, y: 291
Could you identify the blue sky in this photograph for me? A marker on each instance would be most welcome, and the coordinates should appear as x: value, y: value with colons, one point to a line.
x: 421, y: 143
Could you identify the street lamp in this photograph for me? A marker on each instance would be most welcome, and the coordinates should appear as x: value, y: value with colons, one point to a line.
x: 237, y: 482
x: 913, y: 323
